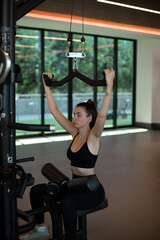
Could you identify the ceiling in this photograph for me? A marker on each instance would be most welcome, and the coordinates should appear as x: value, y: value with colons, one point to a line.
x: 105, y: 12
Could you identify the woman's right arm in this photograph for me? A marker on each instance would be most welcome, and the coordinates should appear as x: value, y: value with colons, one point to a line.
x: 60, y: 118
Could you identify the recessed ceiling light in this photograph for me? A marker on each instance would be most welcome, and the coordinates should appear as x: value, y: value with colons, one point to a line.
x: 129, y: 6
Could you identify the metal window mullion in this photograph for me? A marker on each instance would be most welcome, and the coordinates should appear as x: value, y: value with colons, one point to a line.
x: 70, y: 85
x: 95, y: 70
x: 134, y: 82
x: 115, y: 83
x: 42, y: 70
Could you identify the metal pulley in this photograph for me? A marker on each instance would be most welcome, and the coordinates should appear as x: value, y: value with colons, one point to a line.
x: 75, y: 54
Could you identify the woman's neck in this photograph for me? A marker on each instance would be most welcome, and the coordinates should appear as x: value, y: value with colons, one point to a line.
x: 83, y: 133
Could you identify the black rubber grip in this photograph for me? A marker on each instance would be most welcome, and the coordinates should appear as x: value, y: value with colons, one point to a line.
x: 31, y: 127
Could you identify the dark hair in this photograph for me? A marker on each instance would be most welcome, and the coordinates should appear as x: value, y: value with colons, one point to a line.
x: 91, y: 110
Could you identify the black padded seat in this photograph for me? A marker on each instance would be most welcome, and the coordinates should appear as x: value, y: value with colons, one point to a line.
x: 103, y: 205
x: 82, y: 219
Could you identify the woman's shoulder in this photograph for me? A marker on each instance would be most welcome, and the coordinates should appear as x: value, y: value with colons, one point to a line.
x: 75, y: 134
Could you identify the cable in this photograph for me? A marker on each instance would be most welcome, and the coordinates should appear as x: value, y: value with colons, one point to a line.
x: 71, y: 15
x: 82, y: 18
x: 69, y: 39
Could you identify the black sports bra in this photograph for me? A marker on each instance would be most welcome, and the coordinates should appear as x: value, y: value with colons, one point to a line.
x: 83, y: 158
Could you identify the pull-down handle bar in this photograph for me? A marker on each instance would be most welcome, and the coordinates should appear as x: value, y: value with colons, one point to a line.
x: 75, y: 73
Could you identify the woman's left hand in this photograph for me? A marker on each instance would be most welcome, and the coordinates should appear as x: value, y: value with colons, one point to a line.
x: 109, y: 76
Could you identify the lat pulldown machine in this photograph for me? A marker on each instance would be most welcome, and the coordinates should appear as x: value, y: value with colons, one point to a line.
x: 13, y: 179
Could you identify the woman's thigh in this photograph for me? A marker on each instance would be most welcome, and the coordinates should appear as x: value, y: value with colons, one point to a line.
x: 84, y: 200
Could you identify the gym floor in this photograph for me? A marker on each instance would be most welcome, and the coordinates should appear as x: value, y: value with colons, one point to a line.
x: 129, y: 169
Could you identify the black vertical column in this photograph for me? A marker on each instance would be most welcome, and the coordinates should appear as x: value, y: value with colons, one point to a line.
x: 5, y: 175
x: 134, y: 83
x: 95, y: 69
x: 115, y: 84
x: 5, y: 45
x: 12, y: 114
x: 12, y: 77
x: 70, y: 102
x: 42, y: 70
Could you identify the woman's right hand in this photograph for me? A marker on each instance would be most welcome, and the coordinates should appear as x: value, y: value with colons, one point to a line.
x: 50, y: 76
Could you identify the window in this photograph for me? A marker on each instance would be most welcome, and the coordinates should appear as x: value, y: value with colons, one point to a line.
x: 28, y: 96
x: 41, y: 50
x: 57, y: 64
x: 125, y: 83
x: 81, y: 91
x: 105, y: 59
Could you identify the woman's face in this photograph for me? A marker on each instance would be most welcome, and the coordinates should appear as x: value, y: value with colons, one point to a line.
x: 80, y: 118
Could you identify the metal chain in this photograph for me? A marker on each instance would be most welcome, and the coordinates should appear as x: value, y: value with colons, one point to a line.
x: 75, y: 65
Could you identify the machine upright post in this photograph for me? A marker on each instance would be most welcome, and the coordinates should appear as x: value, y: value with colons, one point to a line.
x: 6, y: 178
x: 12, y: 113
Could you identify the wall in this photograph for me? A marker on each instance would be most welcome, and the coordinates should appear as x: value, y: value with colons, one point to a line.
x: 148, y: 81
x: 148, y: 61
x: 156, y: 81
x: 144, y: 81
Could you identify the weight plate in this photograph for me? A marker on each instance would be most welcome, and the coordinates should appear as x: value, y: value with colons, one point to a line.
x: 5, y: 64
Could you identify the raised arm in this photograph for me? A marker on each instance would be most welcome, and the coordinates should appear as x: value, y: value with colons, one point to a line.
x: 60, y: 118
x: 101, y: 118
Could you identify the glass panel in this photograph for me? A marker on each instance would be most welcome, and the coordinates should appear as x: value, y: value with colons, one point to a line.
x: 82, y: 91
x: 105, y: 55
x: 28, y: 93
x: 125, y: 82
x: 57, y: 64
x: 28, y: 99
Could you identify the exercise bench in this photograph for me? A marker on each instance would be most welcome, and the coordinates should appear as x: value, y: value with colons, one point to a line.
x: 55, y: 177
x: 82, y: 219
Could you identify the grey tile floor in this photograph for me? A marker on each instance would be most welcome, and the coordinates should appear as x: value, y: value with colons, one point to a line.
x: 129, y: 169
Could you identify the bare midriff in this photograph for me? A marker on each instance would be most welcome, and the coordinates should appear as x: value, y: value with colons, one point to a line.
x: 82, y: 171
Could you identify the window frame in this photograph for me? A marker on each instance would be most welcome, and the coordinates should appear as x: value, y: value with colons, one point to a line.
x: 70, y: 87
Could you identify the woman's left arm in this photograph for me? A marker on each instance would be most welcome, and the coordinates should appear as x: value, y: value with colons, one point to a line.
x: 102, y: 115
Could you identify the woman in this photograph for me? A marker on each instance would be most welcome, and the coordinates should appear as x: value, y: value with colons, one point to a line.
x: 86, y: 130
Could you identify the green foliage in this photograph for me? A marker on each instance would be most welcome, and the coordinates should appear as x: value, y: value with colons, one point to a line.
x: 85, y: 65
x: 105, y: 56
x: 28, y: 58
x: 55, y: 60
x: 125, y: 65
